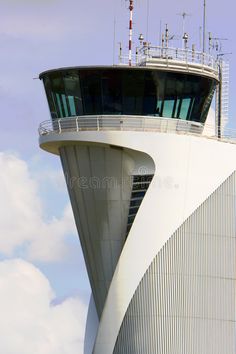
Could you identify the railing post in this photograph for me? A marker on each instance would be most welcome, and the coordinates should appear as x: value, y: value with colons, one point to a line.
x: 77, y: 124
x: 98, y: 123
x: 59, y: 125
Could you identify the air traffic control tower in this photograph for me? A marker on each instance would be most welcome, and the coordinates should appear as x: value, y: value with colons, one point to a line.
x: 153, y: 197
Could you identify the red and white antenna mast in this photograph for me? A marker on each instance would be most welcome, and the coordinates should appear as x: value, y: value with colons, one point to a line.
x: 131, y: 7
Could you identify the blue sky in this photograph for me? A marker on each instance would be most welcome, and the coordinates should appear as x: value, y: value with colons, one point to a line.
x: 39, y: 248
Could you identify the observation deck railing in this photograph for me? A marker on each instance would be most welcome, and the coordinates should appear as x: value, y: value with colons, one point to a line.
x: 135, y: 123
x: 155, y: 55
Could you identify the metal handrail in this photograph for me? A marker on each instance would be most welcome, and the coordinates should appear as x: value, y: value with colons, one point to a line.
x: 149, y: 53
x: 134, y: 123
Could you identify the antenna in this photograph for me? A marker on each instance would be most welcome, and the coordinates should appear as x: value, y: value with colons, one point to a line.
x: 141, y: 38
x: 166, y: 36
x: 131, y: 7
x: 217, y: 42
x: 120, y: 52
x: 147, y: 30
x: 183, y: 15
x: 200, y: 38
x: 210, y: 42
x: 204, y: 27
x: 185, y: 39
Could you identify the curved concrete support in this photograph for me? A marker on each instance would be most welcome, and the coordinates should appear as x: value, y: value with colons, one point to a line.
x: 99, y: 181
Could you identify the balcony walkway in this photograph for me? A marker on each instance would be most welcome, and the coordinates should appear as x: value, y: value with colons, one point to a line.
x: 134, y: 123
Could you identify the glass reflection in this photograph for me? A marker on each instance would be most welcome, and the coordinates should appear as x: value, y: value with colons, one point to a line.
x: 126, y: 91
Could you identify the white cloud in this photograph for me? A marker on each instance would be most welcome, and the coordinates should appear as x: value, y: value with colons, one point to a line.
x: 29, y: 323
x: 51, y: 176
x: 22, y: 223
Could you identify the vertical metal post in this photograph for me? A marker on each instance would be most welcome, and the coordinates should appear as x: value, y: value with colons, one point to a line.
x: 204, y: 26
x: 147, y: 29
x: 166, y: 36
x: 219, y: 108
x: 59, y: 125
x: 210, y: 42
x: 131, y: 7
x: 183, y: 28
x: 120, y: 53
x: 162, y: 44
x: 193, y: 52
x: 200, y: 38
x: 77, y: 124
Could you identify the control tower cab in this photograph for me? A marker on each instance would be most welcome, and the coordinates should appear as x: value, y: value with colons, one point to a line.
x: 166, y: 83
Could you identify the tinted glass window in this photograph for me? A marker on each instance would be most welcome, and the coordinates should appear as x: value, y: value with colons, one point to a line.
x: 73, y: 95
x: 129, y: 92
